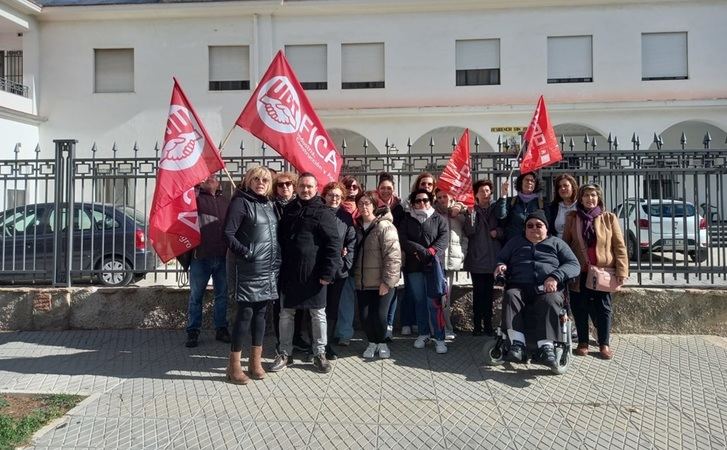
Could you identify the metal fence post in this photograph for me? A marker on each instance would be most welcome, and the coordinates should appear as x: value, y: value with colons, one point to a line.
x: 64, y: 193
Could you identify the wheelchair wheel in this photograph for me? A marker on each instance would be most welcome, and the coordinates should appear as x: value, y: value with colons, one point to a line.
x: 492, y: 351
x: 564, y: 354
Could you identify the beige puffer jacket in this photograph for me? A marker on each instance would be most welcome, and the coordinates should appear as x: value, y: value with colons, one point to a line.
x: 378, y: 257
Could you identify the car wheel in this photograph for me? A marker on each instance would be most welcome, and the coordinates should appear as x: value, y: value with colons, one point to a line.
x: 632, y: 248
x: 115, y: 271
x: 699, y: 255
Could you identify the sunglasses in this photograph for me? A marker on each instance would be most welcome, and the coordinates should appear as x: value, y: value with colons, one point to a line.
x: 353, y: 186
x: 284, y: 184
x: 535, y: 225
x: 424, y: 183
x: 421, y: 200
x: 261, y: 180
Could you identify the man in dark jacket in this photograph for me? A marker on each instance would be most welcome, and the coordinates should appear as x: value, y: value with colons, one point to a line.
x: 311, y: 250
x: 208, y: 260
x: 538, y: 267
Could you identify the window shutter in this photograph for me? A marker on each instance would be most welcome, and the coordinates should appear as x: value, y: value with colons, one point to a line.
x: 114, y: 70
x: 362, y: 63
x: 570, y: 57
x: 477, y: 54
x: 310, y: 62
x: 229, y: 63
x: 664, y: 56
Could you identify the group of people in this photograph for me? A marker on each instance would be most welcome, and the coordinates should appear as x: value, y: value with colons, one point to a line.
x: 314, y: 252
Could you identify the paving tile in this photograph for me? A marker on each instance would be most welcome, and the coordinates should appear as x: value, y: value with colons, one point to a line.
x: 210, y: 435
x: 410, y: 437
x: 343, y: 436
x: 277, y: 435
x: 79, y: 432
x: 532, y: 415
x: 349, y: 411
x: 289, y: 409
x: 409, y: 412
x: 469, y: 414
x: 561, y: 438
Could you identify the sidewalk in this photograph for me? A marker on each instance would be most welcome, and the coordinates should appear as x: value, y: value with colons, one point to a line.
x: 148, y: 391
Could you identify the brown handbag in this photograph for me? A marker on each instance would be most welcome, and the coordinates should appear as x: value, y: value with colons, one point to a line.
x: 601, y: 279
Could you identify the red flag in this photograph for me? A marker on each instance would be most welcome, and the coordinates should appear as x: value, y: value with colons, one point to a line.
x: 457, y: 176
x: 542, y: 145
x: 279, y: 114
x: 189, y: 156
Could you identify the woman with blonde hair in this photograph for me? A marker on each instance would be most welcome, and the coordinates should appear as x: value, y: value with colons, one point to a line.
x: 253, y: 264
x: 595, y: 237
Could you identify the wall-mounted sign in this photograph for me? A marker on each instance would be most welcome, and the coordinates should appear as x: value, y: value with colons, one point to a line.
x: 510, y: 138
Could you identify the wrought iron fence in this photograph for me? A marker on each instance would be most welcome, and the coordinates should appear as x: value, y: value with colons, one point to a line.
x: 671, y: 203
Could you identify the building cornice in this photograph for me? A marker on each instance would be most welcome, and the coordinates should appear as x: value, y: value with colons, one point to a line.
x: 24, y: 6
x: 312, y: 8
x: 17, y: 116
x: 585, y: 107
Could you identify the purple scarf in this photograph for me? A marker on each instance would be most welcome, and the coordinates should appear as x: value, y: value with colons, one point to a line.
x: 588, y: 216
x: 527, y: 198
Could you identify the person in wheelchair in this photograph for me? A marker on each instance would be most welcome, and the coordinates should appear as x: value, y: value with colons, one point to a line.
x: 536, y: 268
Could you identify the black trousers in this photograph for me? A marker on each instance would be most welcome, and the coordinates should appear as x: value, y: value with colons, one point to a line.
x: 533, y: 314
x: 482, y: 284
x: 595, y: 304
x: 333, y: 298
x: 373, y: 312
x: 250, y: 319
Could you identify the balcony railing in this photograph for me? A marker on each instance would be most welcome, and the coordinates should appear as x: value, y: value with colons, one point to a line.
x: 14, y: 88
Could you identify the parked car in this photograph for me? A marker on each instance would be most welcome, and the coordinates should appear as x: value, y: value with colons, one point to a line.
x: 664, y: 226
x: 109, y: 244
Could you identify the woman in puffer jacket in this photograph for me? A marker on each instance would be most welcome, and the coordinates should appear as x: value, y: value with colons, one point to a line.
x: 376, y: 271
x: 454, y: 255
x: 253, y: 265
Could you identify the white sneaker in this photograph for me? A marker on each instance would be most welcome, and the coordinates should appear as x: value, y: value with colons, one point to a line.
x: 370, y: 351
x: 389, y: 331
x: 450, y: 336
x: 406, y: 331
x: 441, y: 347
x: 383, y: 351
x: 421, y: 341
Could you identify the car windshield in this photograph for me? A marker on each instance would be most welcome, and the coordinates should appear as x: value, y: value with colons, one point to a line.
x: 138, y: 216
x: 669, y: 209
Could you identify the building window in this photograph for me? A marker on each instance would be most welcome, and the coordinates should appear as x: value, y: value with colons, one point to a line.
x: 310, y: 65
x: 570, y: 59
x: 477, y: 62
x: 229, y: 68
x: 664, y: 56
x: 114, y: 70
x: 362, y: 66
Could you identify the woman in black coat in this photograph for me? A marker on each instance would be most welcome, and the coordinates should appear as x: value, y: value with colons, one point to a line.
x: 253, y: 264
x: 424, y: 235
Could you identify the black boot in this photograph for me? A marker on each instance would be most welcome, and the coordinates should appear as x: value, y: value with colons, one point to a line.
x: 223, y: 335
x: 516, y: 353
x: 547, y: 356
x: 192, y: 339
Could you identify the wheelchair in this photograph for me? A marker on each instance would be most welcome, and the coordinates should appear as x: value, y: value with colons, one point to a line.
x: 496, y: 348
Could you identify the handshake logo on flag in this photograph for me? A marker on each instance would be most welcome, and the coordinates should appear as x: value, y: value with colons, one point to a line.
x: 183, y: 144
x: 279, y: 105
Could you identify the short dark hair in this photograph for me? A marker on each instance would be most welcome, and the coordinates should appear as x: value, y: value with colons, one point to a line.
x: 371, y: 195
x: 308, y: 174
x: 414, y: 194
x: 521, y: 178
x: 386, y: 176
x: 479, y: 183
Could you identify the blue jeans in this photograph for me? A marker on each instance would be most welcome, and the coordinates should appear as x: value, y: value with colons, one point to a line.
x: 346, y: 310
x: 426, y: 311
x: 413, y: 286
x: 200, y: 271
x: 392, y: 308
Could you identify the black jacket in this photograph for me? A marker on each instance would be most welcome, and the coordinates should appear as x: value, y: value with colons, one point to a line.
x: 253, y: 260
x: 311, y: 251
x: 347, y: 234
x: 482, y: 248
x: 512, y: 212
x: 416, y: 237
x: 530, y: 264
x: 211, y: 210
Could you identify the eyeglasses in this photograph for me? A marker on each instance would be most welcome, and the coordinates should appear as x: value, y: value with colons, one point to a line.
x: 333, y: 196
x: 261, y: 180
x: 365, y: 204
x: 528, y: 180
x: 425, y: 183
x: 535, y: 225
x: 284, y: 184
x: 353, y: 186
x: 421, y: 200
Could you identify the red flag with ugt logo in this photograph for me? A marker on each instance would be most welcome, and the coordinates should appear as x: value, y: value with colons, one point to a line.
x: 188, y: 157
x: 279, y: 114
x: 542, y: 145
x: 457, y: 176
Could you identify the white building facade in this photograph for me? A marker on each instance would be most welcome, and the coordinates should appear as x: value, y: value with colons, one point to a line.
x: 376, y: 70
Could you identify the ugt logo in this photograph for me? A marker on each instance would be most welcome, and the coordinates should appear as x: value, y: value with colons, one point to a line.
x: 279, y: 105
x: 183, y: 145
